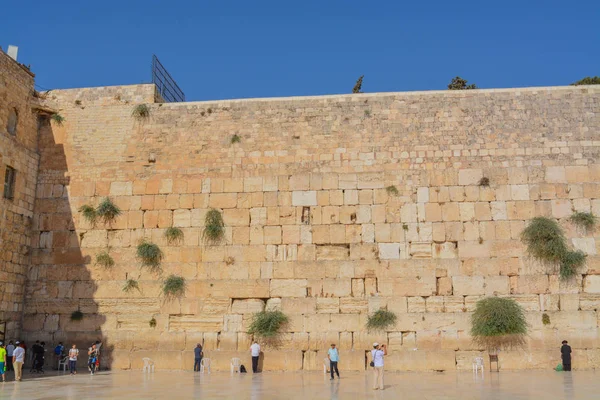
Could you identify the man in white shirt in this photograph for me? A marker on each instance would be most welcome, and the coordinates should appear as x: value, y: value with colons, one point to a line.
x: 255, y: 350
x: 18, y: 360
x: 377, y: 355
x: 9, y: 355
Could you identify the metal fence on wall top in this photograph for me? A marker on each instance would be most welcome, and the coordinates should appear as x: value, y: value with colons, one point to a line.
x: 167, y: 87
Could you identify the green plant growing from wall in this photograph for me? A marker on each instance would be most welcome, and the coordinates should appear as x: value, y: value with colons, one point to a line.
x: 174, y: 287
x: 104, y: 259
x: 358, y: 85
x: 76, y: 315
x: 498, y: 323
x: 235, y: 139
x: 571, y: 262
x: 107, y: 211
x: 546, y: 242
x: 392, y: 190
x: 214, y: 227
x: 584, y: 220
x: 485, y: 181
x: 268, y: 324
x: 141, y: 112
x: 545, y: 319
x: 150, y: 255
x: 173, y: 235
x: 88, y: 213
x: 588, y: 80
x: 152, y: 322
x: 57, y: 119
x: 459, y: 83
x: 131, y: 285
x: 381, y: 320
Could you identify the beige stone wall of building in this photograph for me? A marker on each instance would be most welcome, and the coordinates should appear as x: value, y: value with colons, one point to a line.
x: 310, y: 226
x: 18, y: 147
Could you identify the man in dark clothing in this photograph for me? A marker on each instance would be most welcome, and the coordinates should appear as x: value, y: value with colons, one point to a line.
x: 197, y: 357
x: 565, y: 352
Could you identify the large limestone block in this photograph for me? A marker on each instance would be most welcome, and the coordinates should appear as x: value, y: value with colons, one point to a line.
x: 529, y: 302
x: 474, y: 249
x: 239, y: 288
x: 288, y: 288
x: 322, y: 340
x: 295, y: 305
x: 389, y: 251
x: 469, y: 176
x: 591, y: 284
x: 496, y: 285
x: 247, y: 306
x: 195, y: 323
x: 353, y: 305
x: 416, y: 304
x: 419, y: 286
x: 337, y: 287
x: 570, y: 302
x: 421, y: 360
x: 468, y: 285
x: 587, y: 301
x: 304, y: 198
x: 529, y: 284
x: 332, y: 323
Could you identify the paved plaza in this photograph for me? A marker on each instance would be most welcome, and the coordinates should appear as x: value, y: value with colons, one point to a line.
x: 306, y: 386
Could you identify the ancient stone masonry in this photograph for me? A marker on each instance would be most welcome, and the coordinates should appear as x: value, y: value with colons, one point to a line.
x: 18, y: 160
x: 313, y: 226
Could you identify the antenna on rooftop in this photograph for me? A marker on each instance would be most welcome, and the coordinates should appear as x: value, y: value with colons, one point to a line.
x: 166, y: 85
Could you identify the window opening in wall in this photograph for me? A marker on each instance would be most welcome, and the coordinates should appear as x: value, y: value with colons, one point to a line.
x: 306, y: 215
x: 13, y: 119
x: 9, y: 182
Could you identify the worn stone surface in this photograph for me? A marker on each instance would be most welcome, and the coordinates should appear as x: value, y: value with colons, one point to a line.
x: 310, y: 228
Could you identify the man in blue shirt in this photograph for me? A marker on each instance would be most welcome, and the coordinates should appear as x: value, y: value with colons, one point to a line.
x: 197, y: 357
x: 334, y: 357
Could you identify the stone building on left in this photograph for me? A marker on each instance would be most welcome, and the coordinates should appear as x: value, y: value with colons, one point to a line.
x: 20, y: 115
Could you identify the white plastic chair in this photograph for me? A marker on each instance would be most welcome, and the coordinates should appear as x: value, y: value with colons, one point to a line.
x: 148, y: 365
x: 325, y: 365
x: 478, y: 363
x: 235, y: 364
x: 205, y: 364
x: 63, y: 362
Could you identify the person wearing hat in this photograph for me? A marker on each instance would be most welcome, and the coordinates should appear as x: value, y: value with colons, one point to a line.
x: 18, y: 360
x: 197, y: 357
x: 565, y: 354
x: 2, y: 361
x: 334, y: 357
x: 377, y: 354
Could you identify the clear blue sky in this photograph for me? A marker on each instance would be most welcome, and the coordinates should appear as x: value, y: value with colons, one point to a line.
x: 223, y: 49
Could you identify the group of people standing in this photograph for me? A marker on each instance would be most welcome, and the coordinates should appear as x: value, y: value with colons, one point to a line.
x: 12, y: 358
x: 377, y: 354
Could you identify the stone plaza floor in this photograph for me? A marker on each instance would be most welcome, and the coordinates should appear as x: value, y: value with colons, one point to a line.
x: 305, y: 385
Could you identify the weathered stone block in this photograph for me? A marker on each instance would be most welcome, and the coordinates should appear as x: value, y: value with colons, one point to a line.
x: 288, y: 287
x: 468, y: 285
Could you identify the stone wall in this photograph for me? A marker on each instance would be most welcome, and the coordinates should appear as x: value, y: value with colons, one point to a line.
x: 311, y: 228
x: 18, y: 151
